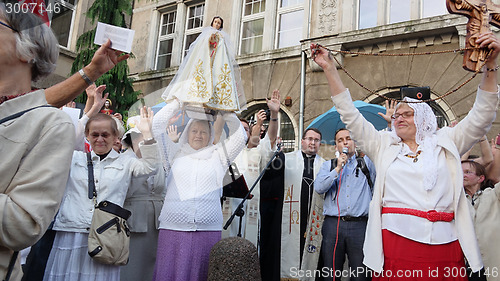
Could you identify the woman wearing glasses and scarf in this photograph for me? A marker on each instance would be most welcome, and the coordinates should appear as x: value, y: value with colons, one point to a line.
x: 419, y: 227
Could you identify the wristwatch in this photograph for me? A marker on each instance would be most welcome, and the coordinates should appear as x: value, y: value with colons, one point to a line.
x: 151, y: 140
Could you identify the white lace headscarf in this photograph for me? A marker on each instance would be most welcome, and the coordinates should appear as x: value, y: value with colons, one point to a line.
x: 425, y: 136
x: 186, y: 147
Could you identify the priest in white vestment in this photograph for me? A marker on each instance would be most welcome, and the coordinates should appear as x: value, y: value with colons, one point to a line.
x: 302, y: 212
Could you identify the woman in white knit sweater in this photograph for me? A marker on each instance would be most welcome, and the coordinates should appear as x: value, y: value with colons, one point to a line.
x: 191, y: 217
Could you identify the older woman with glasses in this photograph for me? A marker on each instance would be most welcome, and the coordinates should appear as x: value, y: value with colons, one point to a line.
x: 419, y: 220
x: 36, y: 139
x: 485, y: 200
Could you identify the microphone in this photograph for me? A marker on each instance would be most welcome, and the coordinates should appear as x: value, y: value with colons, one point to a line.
x: 345, y: 150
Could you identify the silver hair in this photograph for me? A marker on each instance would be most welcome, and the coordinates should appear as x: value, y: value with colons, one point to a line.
x: 35, y: 42
x: 119, y: 126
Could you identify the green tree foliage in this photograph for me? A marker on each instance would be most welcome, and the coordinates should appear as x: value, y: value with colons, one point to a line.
x: 116, y: 80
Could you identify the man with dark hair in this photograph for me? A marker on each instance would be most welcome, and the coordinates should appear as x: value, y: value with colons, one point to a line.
x: 347, y: 182
x: 298, y: 212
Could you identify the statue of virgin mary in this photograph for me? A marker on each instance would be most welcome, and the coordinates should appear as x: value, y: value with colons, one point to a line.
x: 209, y: 76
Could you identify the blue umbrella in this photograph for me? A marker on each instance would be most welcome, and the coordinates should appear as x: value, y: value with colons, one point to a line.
x: 180, y: 123
x: 157, y: 107
x: 329, y: 122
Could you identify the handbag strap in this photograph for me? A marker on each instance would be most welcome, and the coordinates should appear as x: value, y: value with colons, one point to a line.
x: 90, y: 167
x: 12, y: 262
x: 19, y: 114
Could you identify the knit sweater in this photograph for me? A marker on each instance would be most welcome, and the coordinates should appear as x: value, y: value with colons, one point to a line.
x: 194, y: 184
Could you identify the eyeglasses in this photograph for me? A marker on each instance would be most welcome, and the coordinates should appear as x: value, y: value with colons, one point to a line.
x: 312, y: 139
x: 97, y: 135
x: 405, y: 115
x: 8, y: 26
x: 469, y: 172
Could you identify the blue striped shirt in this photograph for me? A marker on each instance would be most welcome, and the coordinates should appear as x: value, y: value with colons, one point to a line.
x: 354, y: 195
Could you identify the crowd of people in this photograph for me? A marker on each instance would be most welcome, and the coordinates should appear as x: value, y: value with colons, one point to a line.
x: 413, y: 200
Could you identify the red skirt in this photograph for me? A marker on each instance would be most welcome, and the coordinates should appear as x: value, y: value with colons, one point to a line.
x: 407, y: 260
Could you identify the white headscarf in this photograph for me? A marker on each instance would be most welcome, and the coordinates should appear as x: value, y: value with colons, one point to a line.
x: 186, y: 147
x: 425, y: 136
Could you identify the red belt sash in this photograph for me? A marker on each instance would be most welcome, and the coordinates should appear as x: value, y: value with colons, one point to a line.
x: 431, y: 215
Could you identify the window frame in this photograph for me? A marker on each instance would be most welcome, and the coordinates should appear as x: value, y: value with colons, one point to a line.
x: 286, y: 10
x: 71, y: 7
x: 384, y: 12
x: 166, y: 37
x: 192, y: 31
x: 250, y: 18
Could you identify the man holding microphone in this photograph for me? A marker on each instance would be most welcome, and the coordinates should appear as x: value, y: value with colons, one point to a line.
x: 347, y: 182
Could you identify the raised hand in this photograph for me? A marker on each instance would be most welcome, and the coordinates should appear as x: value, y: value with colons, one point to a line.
x: 118, y: 116
x: 104, y: 59
x: 261, y: 117
x: 322, y: 56
x: 94, y: 96
x: 172, y: 133
x: 90, y: 91
x: 274, y: 102
x: 390, y: 108
x: 174, y: 118
x: 490, y: 41
x: 146, y: 122
x: 96, y: 92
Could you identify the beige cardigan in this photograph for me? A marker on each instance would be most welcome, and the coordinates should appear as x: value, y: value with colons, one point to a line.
x: 382, y: 148
x: 36, y: 151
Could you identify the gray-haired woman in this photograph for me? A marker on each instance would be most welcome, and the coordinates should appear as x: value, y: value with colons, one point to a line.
x: 36, y: 140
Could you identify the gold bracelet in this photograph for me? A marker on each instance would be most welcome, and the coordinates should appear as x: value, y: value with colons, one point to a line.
x: 493, y: 69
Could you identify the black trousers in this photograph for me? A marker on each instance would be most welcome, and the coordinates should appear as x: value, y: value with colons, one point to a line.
x: 38, y: 256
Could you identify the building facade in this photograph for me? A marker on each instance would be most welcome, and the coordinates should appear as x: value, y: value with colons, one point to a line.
x: 272, y: 38
x: 68, y: 21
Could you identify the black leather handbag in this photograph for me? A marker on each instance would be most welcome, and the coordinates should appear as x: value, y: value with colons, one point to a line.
x: 234, y: 183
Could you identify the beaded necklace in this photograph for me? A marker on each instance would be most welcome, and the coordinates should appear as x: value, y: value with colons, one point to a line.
x: 414, y: 157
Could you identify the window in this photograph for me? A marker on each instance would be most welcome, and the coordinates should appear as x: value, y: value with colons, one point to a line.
x: 194, y: 24
x: 431, y: 8
x: 251, y: 39
x: 254, y: 7
x: 394, y: 11
x: 399, y: 11
x: 62, y: 20
x: 367, y: 14
x: 290, y: 19
x: 252, y: 27
x: 166, y: 40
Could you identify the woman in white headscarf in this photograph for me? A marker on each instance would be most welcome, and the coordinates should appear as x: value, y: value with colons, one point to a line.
x: 419, y: 227
x: 191, y: 217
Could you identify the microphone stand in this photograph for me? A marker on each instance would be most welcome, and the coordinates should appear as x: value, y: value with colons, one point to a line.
x: 239, y: 210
